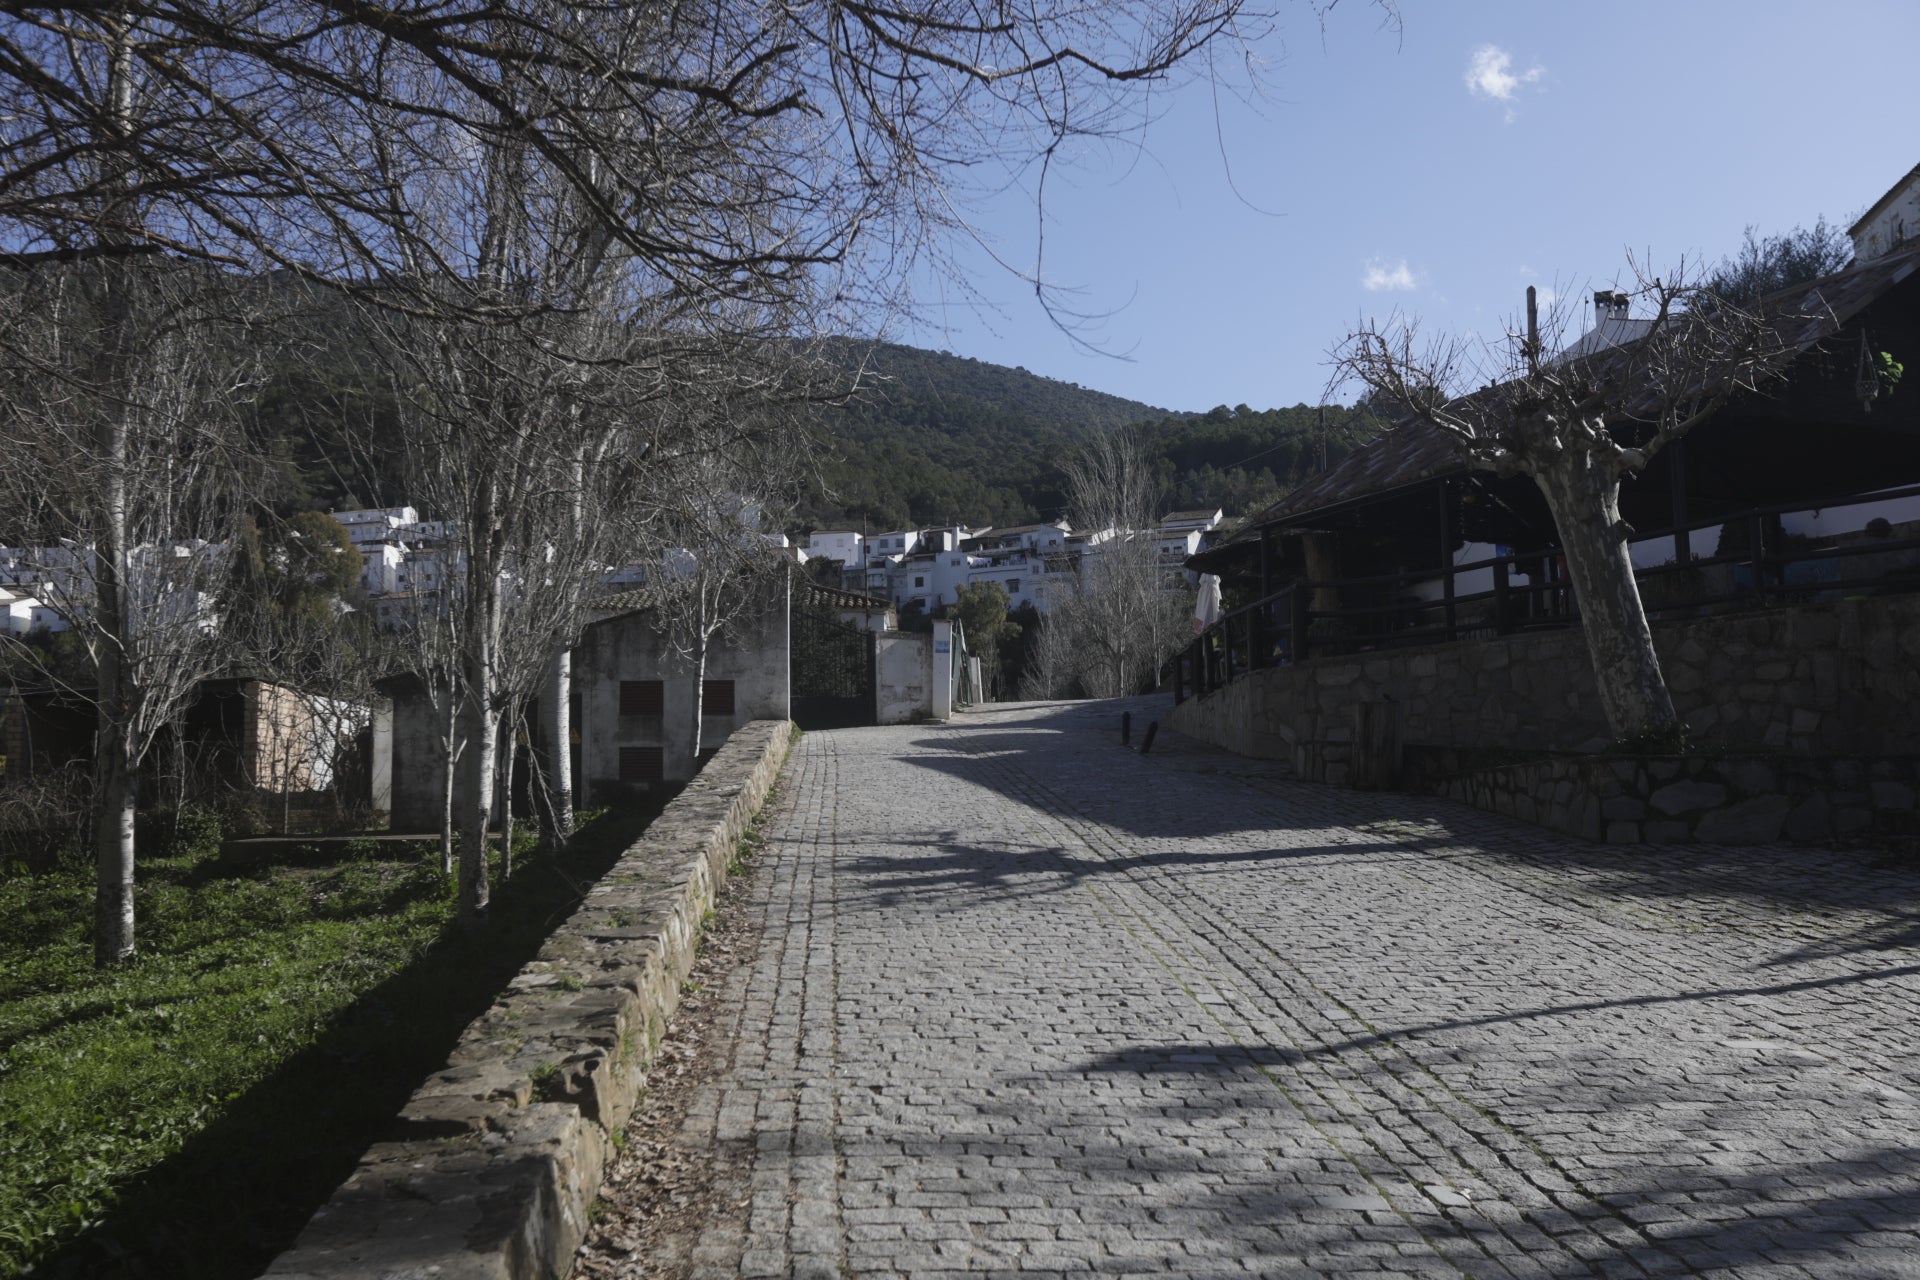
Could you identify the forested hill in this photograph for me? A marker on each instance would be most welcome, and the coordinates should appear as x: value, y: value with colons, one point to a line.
x: 934, y: 438
x: 938, y: 438
x: 931, y: 439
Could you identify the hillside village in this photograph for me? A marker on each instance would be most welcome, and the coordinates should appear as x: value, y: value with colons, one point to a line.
x: 527, y: 751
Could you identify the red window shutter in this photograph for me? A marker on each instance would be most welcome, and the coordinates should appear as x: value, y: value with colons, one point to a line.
x: 641, y: 698
x: 641, y: 764
x: 716, y: 698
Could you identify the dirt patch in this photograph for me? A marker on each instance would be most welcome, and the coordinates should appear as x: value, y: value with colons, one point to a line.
x: 662, y: 1190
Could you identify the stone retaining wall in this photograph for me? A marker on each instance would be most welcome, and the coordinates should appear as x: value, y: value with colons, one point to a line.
x: 495, y: 1159
x: 1841, y: 678
x: 1731, y: 799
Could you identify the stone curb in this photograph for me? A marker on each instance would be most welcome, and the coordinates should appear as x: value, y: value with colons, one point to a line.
x: 496, y: 1159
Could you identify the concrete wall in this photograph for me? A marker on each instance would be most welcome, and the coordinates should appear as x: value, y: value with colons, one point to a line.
x: 416, y: 761
x: 903, y: 676
x: 753, y: 654
x: 494, y: 1163
x: 1832, y: 679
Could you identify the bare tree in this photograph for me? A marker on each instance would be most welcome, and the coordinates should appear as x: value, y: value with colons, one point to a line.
x: 1576, y: 423
x: 716, y: 567
x: 118, y: 414
x: 1125, y: 617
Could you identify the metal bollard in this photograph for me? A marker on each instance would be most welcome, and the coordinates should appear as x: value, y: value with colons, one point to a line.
x: 1126, y: 728
x: 1146, y: 740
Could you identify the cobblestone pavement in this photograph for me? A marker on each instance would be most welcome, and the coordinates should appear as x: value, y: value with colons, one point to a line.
x: 1028, y: 1002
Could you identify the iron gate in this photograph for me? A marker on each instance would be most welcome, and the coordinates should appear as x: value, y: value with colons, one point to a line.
x: 832, y: 672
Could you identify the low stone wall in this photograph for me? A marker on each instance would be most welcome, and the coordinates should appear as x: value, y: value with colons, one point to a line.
x: 1840, y: 678
x: 1729, y: 799
x: 496, y: 1159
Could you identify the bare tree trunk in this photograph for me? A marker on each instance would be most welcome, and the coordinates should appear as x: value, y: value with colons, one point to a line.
x: 116, y: 795
x: 475, y: 895
x: 284, y: 762
x: 557, y: 712
x: 1633, y: 693
x: 116, y: 765
x: 484, y: 605
x: 504, y: 790
x: 452, y: 741
x: 699, y: 692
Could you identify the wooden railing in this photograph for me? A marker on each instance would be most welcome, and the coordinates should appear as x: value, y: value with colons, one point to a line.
x: 1529, y: 590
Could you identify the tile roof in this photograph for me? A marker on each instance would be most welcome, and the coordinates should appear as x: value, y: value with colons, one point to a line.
x: 840, y: 598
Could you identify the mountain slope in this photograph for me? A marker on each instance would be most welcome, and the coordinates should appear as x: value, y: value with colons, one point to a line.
x: 935, y: 439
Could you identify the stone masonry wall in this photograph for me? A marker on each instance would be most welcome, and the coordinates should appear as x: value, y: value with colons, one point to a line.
x: 1731, y: 799
x: 1840, y: 678
x: 495, y: 1159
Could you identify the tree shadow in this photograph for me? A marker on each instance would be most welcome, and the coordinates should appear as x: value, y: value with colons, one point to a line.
x: 241, y: 1188
x: 1729, y: 1209
x: 1005, y: 871
x: 1070, y: 761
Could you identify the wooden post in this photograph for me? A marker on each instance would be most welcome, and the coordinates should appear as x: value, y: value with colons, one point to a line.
x: 1757, y: 549
x: 1502, y: 605
x: 1266, y: 563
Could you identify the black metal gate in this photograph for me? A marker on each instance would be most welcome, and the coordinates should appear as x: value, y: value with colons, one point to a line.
x: 832, y: 671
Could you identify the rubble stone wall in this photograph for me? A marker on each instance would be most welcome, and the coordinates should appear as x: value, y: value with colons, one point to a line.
x: 1738, y: 798
x: 496, y: 1159
x: 1834, y: 679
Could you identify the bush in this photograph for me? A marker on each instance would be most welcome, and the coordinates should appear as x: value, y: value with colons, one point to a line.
x: 44, y: 820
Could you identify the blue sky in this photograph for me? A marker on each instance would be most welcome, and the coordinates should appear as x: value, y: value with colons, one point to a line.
x: 1438, y: 172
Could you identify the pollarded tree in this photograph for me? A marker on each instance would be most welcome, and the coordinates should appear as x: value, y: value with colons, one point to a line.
x: 1579, y: 421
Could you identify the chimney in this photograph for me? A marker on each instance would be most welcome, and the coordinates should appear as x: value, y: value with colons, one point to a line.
x: 1609, y: 305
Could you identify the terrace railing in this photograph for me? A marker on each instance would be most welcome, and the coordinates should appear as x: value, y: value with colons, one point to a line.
x: 1529, y: 590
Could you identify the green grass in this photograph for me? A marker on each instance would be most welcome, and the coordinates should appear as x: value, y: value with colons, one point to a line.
x: 185, y: 1115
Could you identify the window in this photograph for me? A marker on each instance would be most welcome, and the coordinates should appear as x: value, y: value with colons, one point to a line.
x: 919, y: 582
x: 1013, y: 586
x: 716, y: 698
x: 641, y: 764
x: 641, y: 698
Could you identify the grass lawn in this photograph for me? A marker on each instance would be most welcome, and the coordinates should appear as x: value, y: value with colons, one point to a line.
x: 185, y: 1115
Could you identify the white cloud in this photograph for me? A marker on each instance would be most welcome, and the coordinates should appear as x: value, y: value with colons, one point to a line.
x: 1490, y: 75
x: 1382, y: 274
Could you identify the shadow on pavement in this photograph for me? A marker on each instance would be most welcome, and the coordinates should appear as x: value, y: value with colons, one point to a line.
x: 1067, y: 758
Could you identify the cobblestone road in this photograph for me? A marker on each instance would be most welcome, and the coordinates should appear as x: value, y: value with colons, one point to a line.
x: 1027, y: 1002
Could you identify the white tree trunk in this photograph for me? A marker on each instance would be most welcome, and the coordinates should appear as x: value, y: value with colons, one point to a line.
x: 557, y: 712
x: 699, y: 689
x: 484, y: 584
x: 447, y: 776
x: 1583, y: 493
x: 117, y: 793
x: 481, y: 728
x: 503, y: 789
